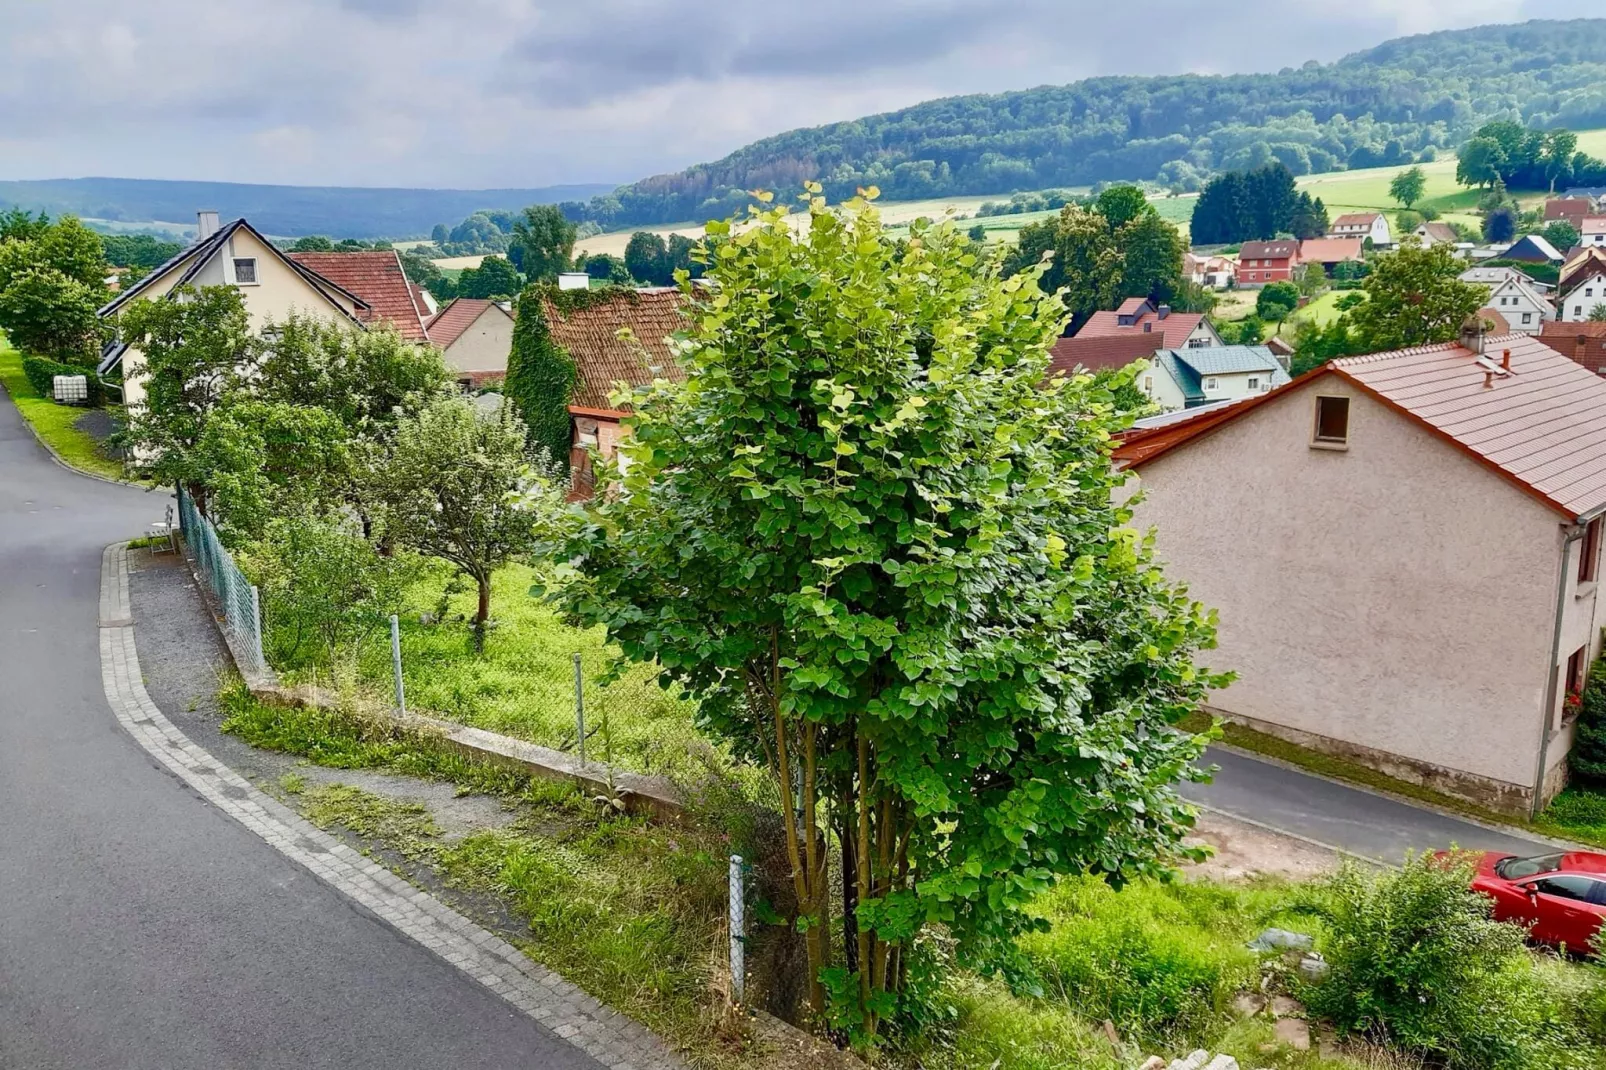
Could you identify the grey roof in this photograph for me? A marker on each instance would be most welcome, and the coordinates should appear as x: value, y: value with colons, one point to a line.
x: 1176, y: 415
x: 1227, y: 360
x: 1533, y: 245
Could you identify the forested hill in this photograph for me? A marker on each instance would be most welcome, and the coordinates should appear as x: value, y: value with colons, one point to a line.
x: 1404, y: 99
x: 291, y: 211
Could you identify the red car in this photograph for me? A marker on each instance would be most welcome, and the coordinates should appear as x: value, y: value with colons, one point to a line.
x: 1560, y: 898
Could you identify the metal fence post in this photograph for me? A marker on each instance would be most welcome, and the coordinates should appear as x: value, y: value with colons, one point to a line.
x: 395, y: 664
x: 738, y: 927
x: 580, y: 707
x: 256, y: 629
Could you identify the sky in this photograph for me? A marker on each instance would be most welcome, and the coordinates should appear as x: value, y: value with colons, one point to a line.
x: 522, y: 93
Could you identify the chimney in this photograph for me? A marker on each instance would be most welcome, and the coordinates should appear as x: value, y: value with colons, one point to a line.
x: 1472, y: 334
x: 1488, y: 380
x: 1163, y: 311
x: 574, y: 280
x: 1505, y: 360
x: 206, y: 224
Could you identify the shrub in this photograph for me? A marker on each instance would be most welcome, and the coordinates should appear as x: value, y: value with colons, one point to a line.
x: 42, y: 372
x: 1587, y: 759
x: 1418, y: 963
x: 1158, y: 960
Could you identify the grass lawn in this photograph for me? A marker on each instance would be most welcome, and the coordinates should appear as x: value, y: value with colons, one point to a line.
x: 54, y: 423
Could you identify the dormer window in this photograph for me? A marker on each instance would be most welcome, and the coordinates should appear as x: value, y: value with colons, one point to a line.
x: 245, y: 271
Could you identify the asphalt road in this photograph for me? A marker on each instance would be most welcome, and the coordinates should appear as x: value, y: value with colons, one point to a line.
x: 1361, y: 822
x: 139, y: 927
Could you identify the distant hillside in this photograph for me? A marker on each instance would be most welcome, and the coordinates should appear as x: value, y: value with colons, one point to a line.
x: 293, y: 211
x: 1405, y: 99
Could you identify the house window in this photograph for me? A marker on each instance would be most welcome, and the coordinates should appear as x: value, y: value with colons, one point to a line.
x: 1332, y: 421
x: 1254, y: 383
x: 1589, y: 552
x: 1210, y: 384
x: 1527, y: 317
x: 1577, y: 676
x: 466, y: 385
x: 245, y: 270
x: 1148, y: 384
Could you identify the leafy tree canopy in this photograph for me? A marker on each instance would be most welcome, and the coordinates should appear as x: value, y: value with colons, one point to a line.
x: 1408, y: 186
x: 542, y: 244
x: 891, y: 563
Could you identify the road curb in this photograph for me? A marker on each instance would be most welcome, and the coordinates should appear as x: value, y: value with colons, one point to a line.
x: 565, y: 1010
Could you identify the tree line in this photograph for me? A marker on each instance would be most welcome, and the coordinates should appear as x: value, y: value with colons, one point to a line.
x: 1403, y: 101
x: 1261, y: 204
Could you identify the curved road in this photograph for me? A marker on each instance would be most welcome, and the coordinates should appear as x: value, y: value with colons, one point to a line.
x: 141, y: 928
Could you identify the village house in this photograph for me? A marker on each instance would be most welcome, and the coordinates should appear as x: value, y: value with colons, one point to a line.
x: 1260, y: 262
x: 605, y: 361
x: 1139, y: 315
x: 1586, y: 295
x: 1593, y: 231
x: 475, y: 336
x: 272, y: 286
x: 1362, y: 225
x: 1436, y: 233
x: 1070, y: 355
x: 1568, y: 210
x: 1330, y: 252
x: 1520, y: 304
x: 1422, y: 594
x: 1187, y: 378
x: 1491, y: 276
x: 1211, y: 272
x: 1584, y: 343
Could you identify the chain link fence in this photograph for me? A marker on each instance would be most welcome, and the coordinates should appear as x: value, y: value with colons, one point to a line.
x: 240, y: 602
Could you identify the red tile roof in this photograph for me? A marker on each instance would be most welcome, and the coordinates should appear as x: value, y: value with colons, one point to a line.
x: 377, y: 278
x: 1542, y: 426
x: 1173, y: 330
x: 448, y: 325
x: 1568, y: 208
x: 1584, y: 343
x: 1102, y: 351
x: 1131, y: 306
x: 1329, y: 250
x: 1355, y: 219
x: 1267, y: 250
x: 602, y: 358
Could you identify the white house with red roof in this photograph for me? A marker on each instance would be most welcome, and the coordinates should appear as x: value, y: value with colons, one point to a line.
x: 1404, y: 550
x: 1139, y: 316
x: 1362, y: 225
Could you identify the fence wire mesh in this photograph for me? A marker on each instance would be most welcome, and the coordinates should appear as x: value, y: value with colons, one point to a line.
x: 242, y: 618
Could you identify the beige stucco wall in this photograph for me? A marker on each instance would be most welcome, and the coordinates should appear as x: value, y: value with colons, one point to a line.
x: 484, y: 346
x: 279, y: 291
x: 1396, y: 595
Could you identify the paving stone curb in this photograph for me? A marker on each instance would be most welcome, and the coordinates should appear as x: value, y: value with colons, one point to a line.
x: 611, y: 1038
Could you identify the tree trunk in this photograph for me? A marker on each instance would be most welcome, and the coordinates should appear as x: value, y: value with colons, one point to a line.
x: 484, y: 613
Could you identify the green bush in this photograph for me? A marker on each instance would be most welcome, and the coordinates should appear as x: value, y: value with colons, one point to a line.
x: 42, y: 371
x: 1418, y: 963
x: 1587, y: 759
x: 1161, y: 961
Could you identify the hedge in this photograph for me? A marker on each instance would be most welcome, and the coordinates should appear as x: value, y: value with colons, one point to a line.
x: 42, y: 372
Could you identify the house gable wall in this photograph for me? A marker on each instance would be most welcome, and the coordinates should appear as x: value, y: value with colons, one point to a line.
x: 1397, y: 596
x: 484, y: 346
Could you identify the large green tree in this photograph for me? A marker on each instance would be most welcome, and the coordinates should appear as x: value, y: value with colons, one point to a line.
x: 542, y: 244
x: 1479, y: 162
x: 1408, y: 186
x: 496, y: 277
x: 1122, y: 204
x: 1151, y: 258
x: 893, y: 564
x: 1413, y: 298
x: 46, y: 313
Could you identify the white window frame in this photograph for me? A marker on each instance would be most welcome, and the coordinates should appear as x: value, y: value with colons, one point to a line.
x: 234, y: 266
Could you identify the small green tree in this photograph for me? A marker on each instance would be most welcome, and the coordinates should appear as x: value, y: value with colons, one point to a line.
x: 647, y: 258
x: 1500, y: 224
x: 496, y: 277
x: 50, y: 314
x: 459, y: 487
x: 1277, y: 301
x: 542, y: 243
x: 1597, y: 314
x: 1562, y: 234
x: 18, y: 224
x: 1122, y: 204
x: 1414, y: 298
x: 1408, y: 186
x: 191, y: 352
x: 889, y: 561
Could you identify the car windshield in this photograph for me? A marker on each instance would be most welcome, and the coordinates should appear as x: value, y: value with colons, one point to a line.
x: 1518, y: 868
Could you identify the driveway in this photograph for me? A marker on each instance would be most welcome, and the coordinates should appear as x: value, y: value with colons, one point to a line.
x: 1336, y: 815
x: 139, y: 926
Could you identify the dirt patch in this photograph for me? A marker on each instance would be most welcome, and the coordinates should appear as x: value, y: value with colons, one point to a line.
x: 1243, y: 851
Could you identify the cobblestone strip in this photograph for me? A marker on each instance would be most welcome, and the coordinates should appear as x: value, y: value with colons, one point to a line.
x: 606, y: 1035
